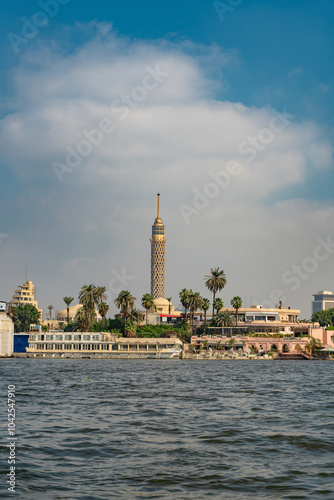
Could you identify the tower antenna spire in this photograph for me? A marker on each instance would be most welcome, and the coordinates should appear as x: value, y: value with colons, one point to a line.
x: 158, y: 205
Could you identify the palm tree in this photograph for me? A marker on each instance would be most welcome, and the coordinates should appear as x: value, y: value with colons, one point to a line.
x: 194, y: 302
x: 224, y: 319
x: 130, y: 329
x: 87, y: 296
x: 86, y: 315
x: 313, y: 344
x: 215, y: 282
x: 236, y: 302
x: 231, y: 342
x: 125, y: 302
x: 68, y: 301
x: 218, y: 345
x: 169, y: 303
x: 103, y: 309
x: 205, y: 307
x: 218, y: 304
x: 147, y: 302
x: 50, y: 307
x: 136, y: 316
x: 100, y: 294
x: 183, y: 298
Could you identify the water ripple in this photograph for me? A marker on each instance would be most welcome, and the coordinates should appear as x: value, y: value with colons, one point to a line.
x: 145, y: 429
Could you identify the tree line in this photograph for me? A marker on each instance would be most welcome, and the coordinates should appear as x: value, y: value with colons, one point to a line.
x: 93, y: 299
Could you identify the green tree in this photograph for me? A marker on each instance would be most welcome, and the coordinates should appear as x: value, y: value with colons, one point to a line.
x: 86, y: 314
x: 169, y: 304
x: 24, y: 316
x: 224, y: 319
x: 184, y: 300
x: 84, y: 318
x: 147, y: 302
x: 231, y: 342
x: 130, y: 328
x: 125, y: 302
x: 215, y: 282
x: 205, y: 307
x: 100, y: 295
x: 68, y: 301
x: 218, y: 304
x: 236, y: 302
x: 136, y: 316
x: 103, y: 309
x: 50, y: 307
x: 87, y: 296
x: 324, y: 318
x: 313, y: 345
x: 194, y: 302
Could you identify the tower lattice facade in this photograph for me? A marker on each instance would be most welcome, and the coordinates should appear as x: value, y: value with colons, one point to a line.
x: 158, y: 242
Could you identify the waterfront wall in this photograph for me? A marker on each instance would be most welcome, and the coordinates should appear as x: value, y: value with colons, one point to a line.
x: 6, y: 334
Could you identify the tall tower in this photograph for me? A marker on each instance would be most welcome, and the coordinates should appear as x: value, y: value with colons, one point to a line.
x: 158, y: 257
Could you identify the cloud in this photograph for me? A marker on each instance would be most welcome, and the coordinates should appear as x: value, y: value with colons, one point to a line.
x: 170, y: 138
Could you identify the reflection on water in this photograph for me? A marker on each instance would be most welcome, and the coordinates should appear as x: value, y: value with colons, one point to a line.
x: 101, y: 429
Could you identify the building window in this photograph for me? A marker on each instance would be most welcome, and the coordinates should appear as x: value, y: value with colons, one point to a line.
x: 77, y: 347
x: 67, y: 347
x: 58, y: 347
x: 59, y: 337
x: 68, y: 337
x: 49, y: 337
x: 86, y: 347
x: 77, y: 337
x: 86, y: 337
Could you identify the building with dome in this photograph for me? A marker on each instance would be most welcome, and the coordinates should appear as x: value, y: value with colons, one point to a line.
x: 164, y: 312
x: 62, y: 315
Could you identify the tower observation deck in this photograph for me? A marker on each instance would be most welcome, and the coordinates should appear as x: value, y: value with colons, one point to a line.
x: 158, y: 257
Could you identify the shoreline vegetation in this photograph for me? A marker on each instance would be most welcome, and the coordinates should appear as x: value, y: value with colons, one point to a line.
x: 196, y: 338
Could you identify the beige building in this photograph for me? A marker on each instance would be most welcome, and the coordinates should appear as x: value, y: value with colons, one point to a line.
x: 158, y: 242
x: 25, y: 294
x: 62, y: 315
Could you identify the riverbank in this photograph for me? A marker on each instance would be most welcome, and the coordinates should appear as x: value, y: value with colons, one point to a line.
x: 135, y: 357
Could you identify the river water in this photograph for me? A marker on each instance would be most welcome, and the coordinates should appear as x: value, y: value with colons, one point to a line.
x: 134, y: 429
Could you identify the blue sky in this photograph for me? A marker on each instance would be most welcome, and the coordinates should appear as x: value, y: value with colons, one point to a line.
x: 226, y: 76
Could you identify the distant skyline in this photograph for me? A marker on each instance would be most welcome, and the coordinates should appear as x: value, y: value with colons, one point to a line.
x: 225, y: 111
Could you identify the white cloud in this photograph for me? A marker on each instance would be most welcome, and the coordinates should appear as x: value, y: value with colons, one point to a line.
x: 170, y: 142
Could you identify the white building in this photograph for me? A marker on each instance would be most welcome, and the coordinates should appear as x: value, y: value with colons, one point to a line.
x: 6, y: 331
x: 322, y: 301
